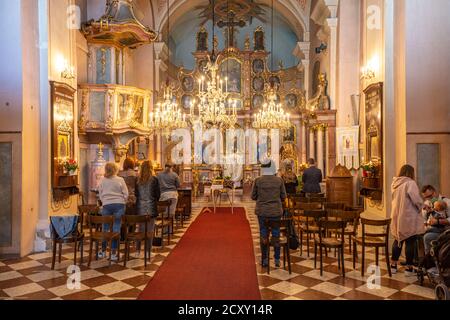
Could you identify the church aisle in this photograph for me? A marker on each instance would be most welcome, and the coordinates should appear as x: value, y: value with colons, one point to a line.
x: 213, y: 261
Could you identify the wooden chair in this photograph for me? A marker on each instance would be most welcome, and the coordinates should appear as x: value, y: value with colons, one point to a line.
x: 297, y: 210
x: 334, y: 205
x: 351, y: 216
x: 374, y: 239
x: 180, y: 214
x: 164, y: 221
x: 325, y: 240
x: 310, y: 226
x: 76, y: 237
x: 283, y: 241
x: 98, y: 234
x: 134, y: 223
x: 88, y: 209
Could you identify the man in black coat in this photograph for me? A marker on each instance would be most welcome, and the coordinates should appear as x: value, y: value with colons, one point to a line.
x: 312, y: 177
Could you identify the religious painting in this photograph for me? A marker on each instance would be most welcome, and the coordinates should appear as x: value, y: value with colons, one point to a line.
x: 186, y: 101
x: 258, y: 84
x: 275, y: 81
x: 202, y: 65
x: 374, y: 134
x: 138, y: 109
x: 231, y: 69
x: 258, y: 66
x: 291, y: 101
x: 62, y: 141
x: 348, y: 146
x: 289, y: 135
x: 187, y: 84
x: 258, y: 101
x: 63, y: 145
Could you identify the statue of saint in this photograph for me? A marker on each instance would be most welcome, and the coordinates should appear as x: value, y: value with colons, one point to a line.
x: 202, y: 39
x: 259, y: 39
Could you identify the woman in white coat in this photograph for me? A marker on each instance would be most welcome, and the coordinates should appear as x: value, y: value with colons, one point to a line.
x: 407, y: 221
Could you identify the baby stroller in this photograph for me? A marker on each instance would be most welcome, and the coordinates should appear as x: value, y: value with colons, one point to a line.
x: 436, y: 266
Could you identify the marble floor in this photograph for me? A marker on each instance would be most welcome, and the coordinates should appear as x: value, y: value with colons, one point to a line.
x: 32, y: 278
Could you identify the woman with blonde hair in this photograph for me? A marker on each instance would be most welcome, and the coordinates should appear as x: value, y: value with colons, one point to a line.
x: 113, y: 194
x: 148, y: 194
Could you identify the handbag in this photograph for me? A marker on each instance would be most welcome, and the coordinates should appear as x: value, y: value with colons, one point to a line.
x: 157, y: 241
x: 293, y: 240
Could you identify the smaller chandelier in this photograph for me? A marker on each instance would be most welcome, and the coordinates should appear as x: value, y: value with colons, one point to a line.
x: 167, y: 116
x: 272, y: 115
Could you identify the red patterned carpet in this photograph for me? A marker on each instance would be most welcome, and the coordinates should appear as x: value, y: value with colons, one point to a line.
x: 213, y: 261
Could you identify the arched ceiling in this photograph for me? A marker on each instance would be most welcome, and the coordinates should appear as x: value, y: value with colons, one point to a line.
x: 295, y: 12
x: 291, y: 24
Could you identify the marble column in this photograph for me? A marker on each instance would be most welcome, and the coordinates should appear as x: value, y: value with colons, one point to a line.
x: 303, y: 139
x: 312, y: 149
x: 158, y: 148
x: 320, y: 150
x: 302, y: 52
x: 332, y: 24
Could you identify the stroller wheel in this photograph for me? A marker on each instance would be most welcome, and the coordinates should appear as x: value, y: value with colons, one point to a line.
x: 420, y: 277
x: 442, y: 292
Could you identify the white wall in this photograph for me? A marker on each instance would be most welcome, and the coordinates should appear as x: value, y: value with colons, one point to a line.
x: 428, y: 80
x: 31, y: 119
x: 11, y: 67
x: 428, y: 66
x: 348, y: 78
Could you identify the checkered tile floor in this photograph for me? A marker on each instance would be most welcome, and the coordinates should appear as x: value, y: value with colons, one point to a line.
x: 305, y: 282
x: 32, y: 278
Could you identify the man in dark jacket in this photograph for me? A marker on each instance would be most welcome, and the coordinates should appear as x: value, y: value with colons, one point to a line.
x: 312, y: 177
x: 269, y: 192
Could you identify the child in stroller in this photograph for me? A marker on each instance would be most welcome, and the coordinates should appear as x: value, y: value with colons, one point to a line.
x: 436, y: 266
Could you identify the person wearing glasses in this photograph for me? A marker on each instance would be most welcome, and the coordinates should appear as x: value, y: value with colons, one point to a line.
x: 439, y: 223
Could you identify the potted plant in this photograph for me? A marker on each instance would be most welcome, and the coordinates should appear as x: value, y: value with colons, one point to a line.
x: 369, y: 169
x: 70, y: 167
x: 370, y: 172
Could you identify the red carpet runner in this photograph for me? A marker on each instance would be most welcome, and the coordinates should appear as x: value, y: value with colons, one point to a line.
x: 214, y: 260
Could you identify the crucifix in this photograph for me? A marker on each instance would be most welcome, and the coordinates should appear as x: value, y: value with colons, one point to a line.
x: 230, y: 24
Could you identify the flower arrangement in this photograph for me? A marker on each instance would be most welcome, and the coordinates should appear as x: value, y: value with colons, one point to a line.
x: 70, y: 166
x: 370, y: 169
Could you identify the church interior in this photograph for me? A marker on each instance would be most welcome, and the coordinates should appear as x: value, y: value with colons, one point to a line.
x: 207, y: 91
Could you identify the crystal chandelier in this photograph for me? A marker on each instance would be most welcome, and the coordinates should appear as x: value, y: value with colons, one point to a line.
x: 213, y: 101
x: 272, y: 115
x: 167, y: 116
x: 214, y: 108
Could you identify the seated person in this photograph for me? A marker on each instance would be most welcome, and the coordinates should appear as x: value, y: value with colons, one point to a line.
x: 436, y: 217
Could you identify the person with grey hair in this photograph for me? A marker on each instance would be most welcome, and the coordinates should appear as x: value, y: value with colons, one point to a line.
x: 269, y: 193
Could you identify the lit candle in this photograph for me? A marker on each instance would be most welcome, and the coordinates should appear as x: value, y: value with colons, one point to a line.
x: 226, y: 84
